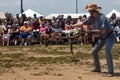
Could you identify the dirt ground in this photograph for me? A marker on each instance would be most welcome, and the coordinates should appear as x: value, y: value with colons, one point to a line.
x: 59, y: 72
x: 55, y: 71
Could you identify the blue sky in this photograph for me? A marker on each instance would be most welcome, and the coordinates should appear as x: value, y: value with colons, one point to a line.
x: 46, y: 7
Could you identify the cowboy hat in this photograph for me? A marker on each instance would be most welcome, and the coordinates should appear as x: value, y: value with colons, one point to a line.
x: 93, y: 6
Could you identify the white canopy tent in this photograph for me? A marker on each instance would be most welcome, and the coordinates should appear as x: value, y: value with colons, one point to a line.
x: 113, y: 11
x: 50, y: 16
x: 2, y: 15
x: 66, y: 15
x: 30, y: 13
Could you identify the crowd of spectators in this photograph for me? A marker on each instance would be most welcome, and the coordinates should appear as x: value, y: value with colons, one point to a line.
x: 25, y: 30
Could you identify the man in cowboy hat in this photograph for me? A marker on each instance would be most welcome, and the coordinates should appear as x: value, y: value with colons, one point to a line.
x: 106, y: 36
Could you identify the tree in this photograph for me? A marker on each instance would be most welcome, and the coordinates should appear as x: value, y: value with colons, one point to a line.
x: 7, y: 14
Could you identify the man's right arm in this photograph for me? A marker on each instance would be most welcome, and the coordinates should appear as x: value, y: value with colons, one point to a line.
x: 75, y: 25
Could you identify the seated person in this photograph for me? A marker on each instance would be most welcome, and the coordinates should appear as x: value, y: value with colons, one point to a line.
x: 25, y: 33
x: 48, y: 32
x: 57, y: 32
x: 14, y: 31
x: 35, y: 30
x: 43, y: 28
x: 6, y: 38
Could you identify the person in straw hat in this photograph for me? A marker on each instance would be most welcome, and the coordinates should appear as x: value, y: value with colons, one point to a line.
x: 100, y: 24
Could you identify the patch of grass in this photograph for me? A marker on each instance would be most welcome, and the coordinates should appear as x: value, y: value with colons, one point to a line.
x: 88, y: 64
x: 11, y: 63
x: 117, y: 66
x: 116, y: 51
x: 59, y: 74
x: 14, y: 55
x: 49, y: 69
x: 37, y: 74
x: 7, y: 65
x: 116, y: 56
x: 49, y: 51
x: 12, y: 60
x: 83, y: 55
x: 48, y: 60
x: 6, y: 61
x: 0, y: 53
x: 21, y: 59
x: 56, y: 52
x: 40, y: 73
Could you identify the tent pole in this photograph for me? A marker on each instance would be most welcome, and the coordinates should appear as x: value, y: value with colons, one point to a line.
x: 76, y: 6
x: 22, y: 6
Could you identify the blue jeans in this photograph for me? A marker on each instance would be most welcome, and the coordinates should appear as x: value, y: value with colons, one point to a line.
x: 24, y: 35
x: 109, y: 41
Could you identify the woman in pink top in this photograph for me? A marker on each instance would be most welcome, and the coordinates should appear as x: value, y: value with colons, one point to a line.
x: 42, y: 32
